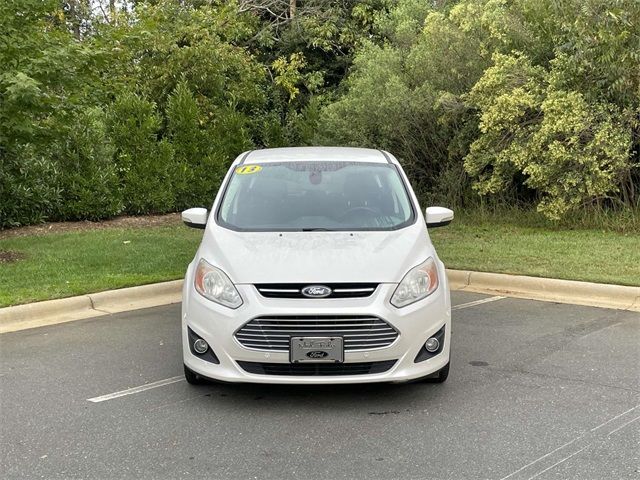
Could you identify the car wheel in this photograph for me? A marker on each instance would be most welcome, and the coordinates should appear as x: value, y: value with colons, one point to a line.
x: 438, y: 377
x: 443, y: 374
x: 192, y: 377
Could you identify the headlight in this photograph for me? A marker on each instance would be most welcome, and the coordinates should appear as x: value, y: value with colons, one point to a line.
x: 212, y: 283
x: 420, y: 282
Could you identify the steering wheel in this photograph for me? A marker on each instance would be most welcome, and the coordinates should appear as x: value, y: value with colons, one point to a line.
x: 351, y: 211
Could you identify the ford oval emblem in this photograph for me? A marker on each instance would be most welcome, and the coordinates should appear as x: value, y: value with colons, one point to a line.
x: 317, y: 354
x: 316, y: 291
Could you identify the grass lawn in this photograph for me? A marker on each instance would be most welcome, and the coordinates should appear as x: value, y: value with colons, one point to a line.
x: 587, y: 255
x: 65, y: 264
x: 54, y: 265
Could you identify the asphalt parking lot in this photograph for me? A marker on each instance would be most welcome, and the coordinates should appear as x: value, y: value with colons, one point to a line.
x: 536, y: 390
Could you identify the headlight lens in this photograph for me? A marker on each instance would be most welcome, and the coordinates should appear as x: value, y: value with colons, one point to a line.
x: 213, y: 283
x: 420, y: 282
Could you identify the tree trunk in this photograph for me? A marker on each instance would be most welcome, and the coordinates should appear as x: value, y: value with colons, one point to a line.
x: 74, y: 16
x: 292, y: 8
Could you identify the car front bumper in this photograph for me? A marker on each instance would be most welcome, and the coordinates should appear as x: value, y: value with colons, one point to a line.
x: 217, y: 324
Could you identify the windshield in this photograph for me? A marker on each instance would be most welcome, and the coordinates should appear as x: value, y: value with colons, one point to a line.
x: 315, y: 196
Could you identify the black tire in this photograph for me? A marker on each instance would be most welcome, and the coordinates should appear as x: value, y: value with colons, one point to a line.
x: 192, y: 377
x: 443, y: 374
x: 438, y: 377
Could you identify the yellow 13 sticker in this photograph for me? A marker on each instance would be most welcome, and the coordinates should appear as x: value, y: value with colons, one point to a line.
x: 247, y: 169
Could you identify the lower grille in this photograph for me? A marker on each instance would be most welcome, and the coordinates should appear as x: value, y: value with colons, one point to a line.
x: 359, y: 332
x: 316, y: 369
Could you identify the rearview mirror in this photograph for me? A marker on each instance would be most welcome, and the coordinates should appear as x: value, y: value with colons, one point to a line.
x: 438, y: 216
x: 195, y: 217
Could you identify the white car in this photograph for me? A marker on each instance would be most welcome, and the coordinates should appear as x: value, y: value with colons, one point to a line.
x: 316, y: 267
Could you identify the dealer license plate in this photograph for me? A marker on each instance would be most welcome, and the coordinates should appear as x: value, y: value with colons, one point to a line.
x: 316, y: 349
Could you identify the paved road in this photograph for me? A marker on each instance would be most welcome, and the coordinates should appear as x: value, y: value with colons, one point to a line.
x: 537, y: 390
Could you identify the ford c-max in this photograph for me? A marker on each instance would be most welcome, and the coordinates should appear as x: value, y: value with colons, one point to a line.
x: 316, y: 267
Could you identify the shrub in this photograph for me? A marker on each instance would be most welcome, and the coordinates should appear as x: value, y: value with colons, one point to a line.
x: 28, y: 187
x: 88, y: 182
x: 144, y: 164
x: 569, y: 150
x: 197, y: 171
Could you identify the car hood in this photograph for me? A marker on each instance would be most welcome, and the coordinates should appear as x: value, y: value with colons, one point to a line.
x: 316, y: 257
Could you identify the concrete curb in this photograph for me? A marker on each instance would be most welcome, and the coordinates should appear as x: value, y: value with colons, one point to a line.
x: 548, y: 289
x: 21, y: 317
x: 51, y: 312
x: 134, y: 298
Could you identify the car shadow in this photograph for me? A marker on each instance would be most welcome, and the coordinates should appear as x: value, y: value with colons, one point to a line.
x: 376, y: 398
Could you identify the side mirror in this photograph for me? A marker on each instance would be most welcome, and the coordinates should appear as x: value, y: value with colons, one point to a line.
x: 195, y: 217
x: 438, y: 216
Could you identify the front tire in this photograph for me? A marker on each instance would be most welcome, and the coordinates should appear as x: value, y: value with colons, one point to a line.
x: 192, y: 377
x: 438, y: 377
x: 443, y: 374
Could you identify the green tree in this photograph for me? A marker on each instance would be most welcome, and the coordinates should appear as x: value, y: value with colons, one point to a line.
x: 47, y: 79
x: 538, y: 101
x: 89, y: 185
x: 144, y: 162
x: 569, y: 151
x: 200, y: 161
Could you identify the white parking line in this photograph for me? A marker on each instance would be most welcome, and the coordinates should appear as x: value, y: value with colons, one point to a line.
x: 614, y: 418
x: 477, y: 302
x: 541, y: 458
x: 557, y: 463
x: 622, y: 426
x: 141, y: 388
x: 588, y: 436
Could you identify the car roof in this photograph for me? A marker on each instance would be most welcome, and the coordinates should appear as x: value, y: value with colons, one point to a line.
x: 315, y: 154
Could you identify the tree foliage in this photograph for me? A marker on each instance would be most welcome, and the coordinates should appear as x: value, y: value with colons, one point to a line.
x: 537, y: 100
x: 136, y: 107
x: 47, y: 80
x: 569, y: 150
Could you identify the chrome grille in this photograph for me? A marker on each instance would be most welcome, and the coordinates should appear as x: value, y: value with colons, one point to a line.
x: 360, y: 332
x: 294, y: 290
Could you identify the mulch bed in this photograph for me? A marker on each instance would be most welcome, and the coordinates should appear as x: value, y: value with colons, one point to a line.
x: 10, y: 256
x: 118, y: 222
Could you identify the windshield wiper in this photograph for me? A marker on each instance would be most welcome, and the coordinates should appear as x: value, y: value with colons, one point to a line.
x: 317, y: 230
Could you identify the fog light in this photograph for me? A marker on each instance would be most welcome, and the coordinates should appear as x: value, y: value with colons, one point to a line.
x: 200, y: 346
x: 432, y: 345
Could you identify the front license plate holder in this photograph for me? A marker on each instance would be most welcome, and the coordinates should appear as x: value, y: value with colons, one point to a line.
x: 316, y: 350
